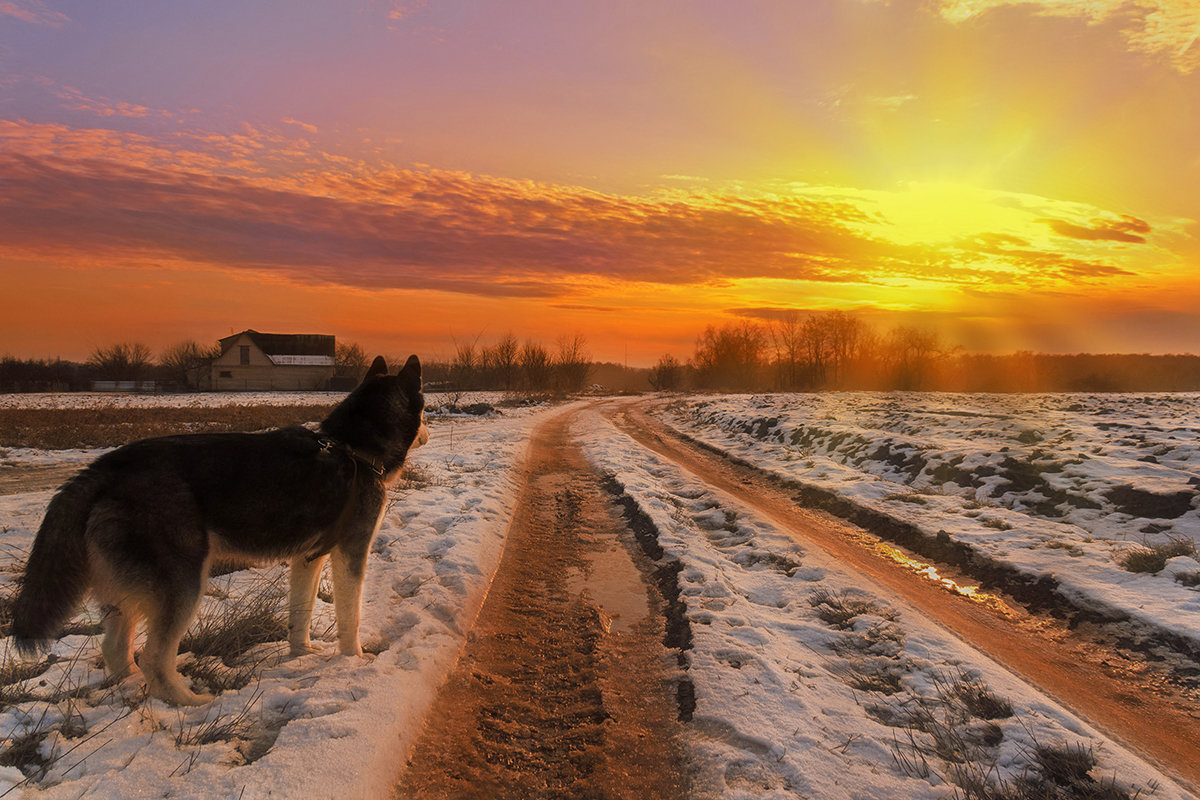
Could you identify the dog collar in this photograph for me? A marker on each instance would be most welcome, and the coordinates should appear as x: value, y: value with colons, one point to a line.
x: 377, y: 465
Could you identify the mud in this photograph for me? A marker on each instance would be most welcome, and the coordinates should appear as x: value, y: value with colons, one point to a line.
x: 564, y: 688
x: 1140, y: 693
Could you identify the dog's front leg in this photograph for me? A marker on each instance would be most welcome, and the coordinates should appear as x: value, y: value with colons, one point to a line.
x: 302, y: 584
x: 349, y: 567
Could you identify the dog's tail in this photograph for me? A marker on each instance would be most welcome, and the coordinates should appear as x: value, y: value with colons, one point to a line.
x: 57, y: 574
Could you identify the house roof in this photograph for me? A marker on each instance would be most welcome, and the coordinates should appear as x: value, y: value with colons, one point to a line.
x: 286, y: 344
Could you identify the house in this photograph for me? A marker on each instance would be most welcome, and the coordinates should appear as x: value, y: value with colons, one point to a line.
x: 255, y: 361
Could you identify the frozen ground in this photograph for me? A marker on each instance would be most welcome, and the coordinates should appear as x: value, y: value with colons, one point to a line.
x: 809, y: 684
x: 1058, y: 485
x: 321, y: 726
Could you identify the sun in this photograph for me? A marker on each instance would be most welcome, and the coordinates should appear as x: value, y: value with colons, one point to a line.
x: 938, y: 212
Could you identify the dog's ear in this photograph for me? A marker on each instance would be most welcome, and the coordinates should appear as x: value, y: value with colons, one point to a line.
x: 411, y: 370
x: 378, y: 367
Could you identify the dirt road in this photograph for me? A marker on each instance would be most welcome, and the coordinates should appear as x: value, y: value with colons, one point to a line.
x: 564, y: 688
x: 17, y: 480
x: 1131, y: 701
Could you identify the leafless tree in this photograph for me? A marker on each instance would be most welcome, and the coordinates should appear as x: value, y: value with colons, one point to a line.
x: 536, y: 366
x: 572, y: 363
x: 507, y: 356
x: 667, y: 374
x: 126, y: 361
x: 187, y: 361
x: 350, y: 361
x: 730, y: 357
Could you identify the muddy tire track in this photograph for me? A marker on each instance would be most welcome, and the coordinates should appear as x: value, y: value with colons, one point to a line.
x: 1133, y: 703
x: 564, y: 688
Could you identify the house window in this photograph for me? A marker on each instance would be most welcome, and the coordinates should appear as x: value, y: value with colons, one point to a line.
x: 245, y: 352
x: 225, y: 374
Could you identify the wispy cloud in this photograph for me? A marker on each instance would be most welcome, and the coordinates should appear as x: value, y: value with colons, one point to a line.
x: 34, y: 12
x: 305, y: 126
x: 1166, y: 29
x: 1126, y: 229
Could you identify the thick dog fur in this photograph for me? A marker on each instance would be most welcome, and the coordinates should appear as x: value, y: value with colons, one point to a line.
x: 140, y: 526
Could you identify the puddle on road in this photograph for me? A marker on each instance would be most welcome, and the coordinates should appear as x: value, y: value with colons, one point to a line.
x: 614, y: 584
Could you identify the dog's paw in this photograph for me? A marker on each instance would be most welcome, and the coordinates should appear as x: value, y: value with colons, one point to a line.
x: 297, y: 650
x: 183, y: 697
x: 193, y: 699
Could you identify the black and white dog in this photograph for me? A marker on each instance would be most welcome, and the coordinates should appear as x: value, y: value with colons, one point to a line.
x: 141, y: 525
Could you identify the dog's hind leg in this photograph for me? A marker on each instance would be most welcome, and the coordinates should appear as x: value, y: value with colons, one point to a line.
x: 167, y: 624
x: 120, y: 624
x: 349, y: 568
x: 302, y: 593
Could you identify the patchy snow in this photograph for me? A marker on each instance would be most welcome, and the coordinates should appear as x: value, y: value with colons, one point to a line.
x: 320, y: 726
x: 1059, y: 485
x: 775, y: 668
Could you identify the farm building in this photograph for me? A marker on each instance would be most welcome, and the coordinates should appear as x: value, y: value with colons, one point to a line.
x: 256, y: 361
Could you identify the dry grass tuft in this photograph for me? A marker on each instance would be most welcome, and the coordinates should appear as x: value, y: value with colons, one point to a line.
x: 1152, y: 558
x: 840, y: 609
x: 221, y: 637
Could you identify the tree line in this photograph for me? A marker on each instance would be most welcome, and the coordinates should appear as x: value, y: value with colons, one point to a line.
x: 509, y: 364
x: 836, y: 350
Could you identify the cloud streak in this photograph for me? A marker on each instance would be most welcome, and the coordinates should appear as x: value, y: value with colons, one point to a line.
x: 34, y: 12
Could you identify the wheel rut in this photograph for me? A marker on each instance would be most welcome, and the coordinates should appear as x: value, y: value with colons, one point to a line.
x: 564, y: 687
x: 1131, y: 701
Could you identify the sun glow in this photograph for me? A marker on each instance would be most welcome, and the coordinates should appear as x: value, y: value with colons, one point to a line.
x: 943, y: 211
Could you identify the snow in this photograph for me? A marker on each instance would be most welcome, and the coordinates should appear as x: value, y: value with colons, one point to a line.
x: 1053, y: 485
x: 342, y: 726
x: 775, y: 715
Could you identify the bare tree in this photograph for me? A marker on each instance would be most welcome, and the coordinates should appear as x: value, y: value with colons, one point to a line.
x: 187, y: 361
x: 730, y: 357
x: 788, y: 343
x: 463, y: 368
x: 507, y: 356
x: 350, y: 361
x: 572, y: 363
x: 667, y: 374
x: 535, y: 366
x: 127, y: 361
x: 911, y: 353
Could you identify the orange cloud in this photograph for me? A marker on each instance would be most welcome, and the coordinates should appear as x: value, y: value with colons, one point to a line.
x: 260, y: 202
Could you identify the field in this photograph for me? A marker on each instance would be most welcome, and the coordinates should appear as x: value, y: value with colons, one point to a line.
x: 797, y: 676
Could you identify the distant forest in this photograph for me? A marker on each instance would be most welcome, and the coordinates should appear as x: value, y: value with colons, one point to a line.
x: 828, y: 351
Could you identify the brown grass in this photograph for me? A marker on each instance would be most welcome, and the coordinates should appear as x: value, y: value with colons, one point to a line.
x: 57, y: 429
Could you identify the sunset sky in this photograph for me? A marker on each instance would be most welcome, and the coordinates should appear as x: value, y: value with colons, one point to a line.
x: 1018, y: 174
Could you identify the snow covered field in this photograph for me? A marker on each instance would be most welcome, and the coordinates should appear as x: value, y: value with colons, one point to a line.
x: 321, y: 726
x: 1057, y: 485
x: 809, y: 684
x: 806, y: 682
